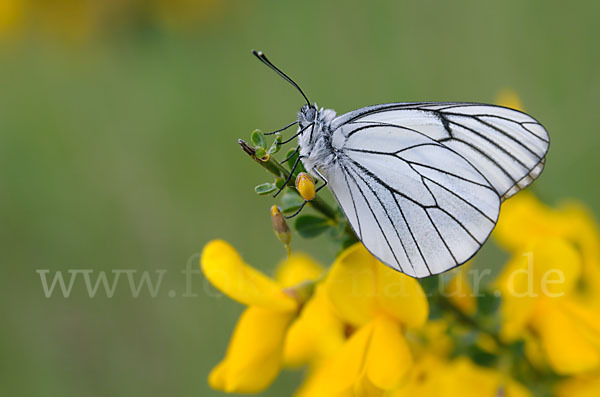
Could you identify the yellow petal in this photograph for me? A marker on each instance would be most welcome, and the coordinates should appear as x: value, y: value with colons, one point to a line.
x: 587, y: 319
x: 217, y: 377
x: 424, y: 378
x: 360, y: 287
x: 388, y: 357
x: 316, y: 382
x: 523, y: 218
x: 365, y: 388
x: 557, y: 266
x: 583, y: 231
x: 567, y: 348
x: 517, y: 304
x: 296, y: 269
x: 316, y: 334
x: 226, y: 270
x: 465, y: 379
x: 254, y: 355
x: 546, y: 269
x: 400, y: 296
x: 583, y: 386
x: 350, y: 285
x: 346, y: 367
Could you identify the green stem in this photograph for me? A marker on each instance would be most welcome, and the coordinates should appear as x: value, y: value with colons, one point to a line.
x: 275, y: 168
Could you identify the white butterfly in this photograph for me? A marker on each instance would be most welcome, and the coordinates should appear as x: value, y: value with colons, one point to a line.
x: 421, y: 183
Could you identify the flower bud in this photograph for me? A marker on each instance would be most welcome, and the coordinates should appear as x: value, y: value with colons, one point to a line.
x: 280, y: 227
x: 305, y: 185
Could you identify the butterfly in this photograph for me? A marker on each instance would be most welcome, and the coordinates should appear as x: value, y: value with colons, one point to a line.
x: 420, y: 183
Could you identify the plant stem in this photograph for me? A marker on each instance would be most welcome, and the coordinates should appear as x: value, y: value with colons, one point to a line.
x: 275, y: 168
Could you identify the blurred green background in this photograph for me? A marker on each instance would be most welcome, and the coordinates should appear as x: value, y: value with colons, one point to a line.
x: 118, y: 128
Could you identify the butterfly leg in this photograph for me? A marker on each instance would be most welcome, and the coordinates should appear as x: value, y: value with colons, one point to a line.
x: 289, y: 177
x: 322, y: 178
x: 291, y: 155
x: 296, y: 134
x: 297, y: 211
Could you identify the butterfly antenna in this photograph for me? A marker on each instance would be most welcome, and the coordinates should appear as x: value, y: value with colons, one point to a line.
x: 261, y: 57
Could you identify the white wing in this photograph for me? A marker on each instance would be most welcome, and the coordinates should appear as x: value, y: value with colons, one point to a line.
x: 507, y: 146
x: 421, y: 184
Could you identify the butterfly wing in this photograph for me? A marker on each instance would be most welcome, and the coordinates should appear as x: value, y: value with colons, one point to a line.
x: 507, y: 146
x: 423, y: 191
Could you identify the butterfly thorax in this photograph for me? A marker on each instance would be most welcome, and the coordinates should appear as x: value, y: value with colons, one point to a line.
x: 315, y: 141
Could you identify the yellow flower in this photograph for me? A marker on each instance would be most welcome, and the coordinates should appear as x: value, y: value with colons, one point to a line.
x: 316, y: 334
x: 377, y: 303
x: 433, y: 376
x: 374, y: 359
x: 539, y: 297
x: 582, y: 386
x: 583, y: 232
x: 253, y: 359
x: 524, y: 218
x: 255, y: 353
x: 425, y: 378
x: 361, y: 287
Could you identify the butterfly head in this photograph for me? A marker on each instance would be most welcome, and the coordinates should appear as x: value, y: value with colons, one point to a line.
x: 307, y: 115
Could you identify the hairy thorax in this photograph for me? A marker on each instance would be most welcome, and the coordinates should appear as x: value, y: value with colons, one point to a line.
x: 315, y: 142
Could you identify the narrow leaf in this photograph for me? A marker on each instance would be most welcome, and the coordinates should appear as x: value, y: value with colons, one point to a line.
x: 265, y: 188
x: 276, y: 145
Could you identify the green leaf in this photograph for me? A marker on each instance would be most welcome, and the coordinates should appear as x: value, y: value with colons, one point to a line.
x: 276, y: 145
x: 265, y: 188
x: 290, y: 202
x: 309, y: 226
x: 258, y: 139
x: 260, y: 153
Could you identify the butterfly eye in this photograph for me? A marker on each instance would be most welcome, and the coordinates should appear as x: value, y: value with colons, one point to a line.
x: 309, y: 114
